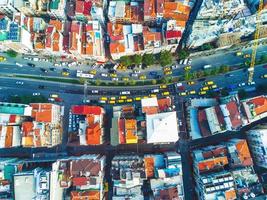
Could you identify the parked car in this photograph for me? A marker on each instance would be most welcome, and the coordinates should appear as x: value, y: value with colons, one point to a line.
x: 19, y: 82
x: 36, y: 94
x: 31, y: 64
x: 19, y: 64
x: 44, y: 70
x: 104, y: 74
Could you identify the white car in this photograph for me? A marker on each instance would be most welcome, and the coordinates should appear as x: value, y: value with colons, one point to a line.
x: 19, y: 82
x: 252, y: 83
x: 57, y: 64
x: 175, y: 66
x: 19, y: 64
x: 36, y: 94
x: 179, y: 84
x: 134, y: 75
x: 125, y: 92
x: 104, y: 74
x: 95, y: 91
x: 51, y: 99
x: 241, y: 84
x: 101, y: 66
x: 115, y: 79
x: 137, y: 71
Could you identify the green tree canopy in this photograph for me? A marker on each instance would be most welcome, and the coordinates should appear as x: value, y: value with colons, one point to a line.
x: 137, y: 59
x: 165, y: 58
x: 126, y: 61
x: 183, y: 54
x: 148, y: 59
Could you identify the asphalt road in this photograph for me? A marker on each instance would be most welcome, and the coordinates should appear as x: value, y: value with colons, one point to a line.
x: 217, y: 59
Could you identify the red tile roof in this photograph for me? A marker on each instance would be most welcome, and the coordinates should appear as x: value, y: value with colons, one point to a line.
x: 203, y: 123
x: 171, y: 34
x: 234, y: 114
x: 86, y: 110
x: 260, y: 104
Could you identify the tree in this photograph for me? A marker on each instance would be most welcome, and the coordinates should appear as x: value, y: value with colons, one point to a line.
x: 187, y: 76
x: 206, y: 47
x: 82, y: 80
x: 98, y: 82
x: 126, y: 61
x: 263, y: 59
x: 242, y: 94
x: 165, y: 58
x: 183, y: 54
x: 153, y: 81
x: 224, y: 69
x: 148, y: 59
x: 200, y: 73
x: 194, y: 75
x: 11, y: 53
x: 132, y: 82
x: 137, y: 59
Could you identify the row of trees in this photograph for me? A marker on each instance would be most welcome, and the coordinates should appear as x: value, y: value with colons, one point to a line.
x: 164, y: 58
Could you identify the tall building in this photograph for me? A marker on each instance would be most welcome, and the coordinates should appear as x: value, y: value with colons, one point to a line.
x: 257, y: 139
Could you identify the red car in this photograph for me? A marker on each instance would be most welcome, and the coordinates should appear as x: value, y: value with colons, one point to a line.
x: 181, y: 88
x: 58, y: 99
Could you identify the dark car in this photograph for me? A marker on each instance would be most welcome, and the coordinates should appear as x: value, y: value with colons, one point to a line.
x: 202, y: 79
x: 44, y: 70
x: 112, y: 71
x: 52, y: 69
x: 31, y: 64
x: 65, y: 70
x: 153, y: 73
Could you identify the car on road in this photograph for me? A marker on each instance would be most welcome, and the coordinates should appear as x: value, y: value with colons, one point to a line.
x: 212, y: 86
x: 65, y: 70
x: 209, y: 83
x: 251, y: 83
x: 58, y: 99
x: 153, y: 73
x: 264, y: 76
x: 134, y: 75
x: 166, y: 69
x: 112, y: 98
x: 142, y: 77
x: 241, y: 84
x: 52, y: 69
x: 229, y: 75
x: 51, y: 99
x: 182, y: 94
x: 54, y: 95
x: 125, y: 78
x: 136, y: 71
x: 92, y: 72
x: 163, y: 86
x: 111, y: 102
x: 19, y: 64
x: 155, y: 91
x: 44, y: 70
x: 187, y: 68
x: 201, y: 79
x: 165, y: 93
x: 179, y: 84
x: 120, y: 101
x: 167, y: 72
x: 36, y: 94
x: 103, y: 99
x: 115, y: 79
x: 175, y: 66
x: 239, y: 53
x: 191, y: 92
x: 31, y: 64
x: 202, y: 93
x: 137, y: 98
x: 19, y: 82
x: 65, y: 73
x: 153, y: 95
x: 129, y: 100
x: 190, y: 83
x: 41, y: 86
x: 2, y: 58
x: 104, y: 75
x: 113, y: 75
x: 94, y: 91
x: 123, y: 97
x: 125, y: 92
x: 204, y: 88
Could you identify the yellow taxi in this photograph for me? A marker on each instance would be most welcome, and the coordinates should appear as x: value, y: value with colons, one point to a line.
x: 65, y: 73
x: 204, y: 89
x: 112, y: 102
x: 209, y: 83
x: 247, y: 56
x: 202, y: 93
x: 113, y: 75
x: 125, y: 78
x: 123, y: 97
x: 213, y: 86
x: 186, y: 68
x: 2, y: 58
x: 129, y: 100
x: 145, y: 97
x: 190, y: 83
x: 264, y: 76
x: 167, y: 72
x: 163, y: 86
x: 103, y: 99
x: 137, y: 98
x: 165, y: 93
x: 192, y: 92
x: 92, y: 72
x: 182, y: 94
x: 120, y: 101
x: 153, y: 95
x: 121, y: 67
x: 166, y: 69
x: 142, y: 77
